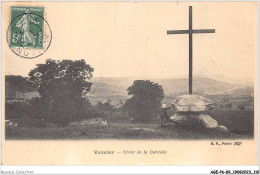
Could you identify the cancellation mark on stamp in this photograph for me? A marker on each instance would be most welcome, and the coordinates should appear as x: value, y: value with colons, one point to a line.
x: 29, y: 34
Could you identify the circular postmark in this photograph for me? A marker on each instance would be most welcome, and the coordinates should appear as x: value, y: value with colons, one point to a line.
x: 29, y: 35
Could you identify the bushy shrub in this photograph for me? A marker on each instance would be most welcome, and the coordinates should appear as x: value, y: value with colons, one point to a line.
x: 145, y: 101
x: 104, y: 110
x: 63, y: 111
x: 17, y: 110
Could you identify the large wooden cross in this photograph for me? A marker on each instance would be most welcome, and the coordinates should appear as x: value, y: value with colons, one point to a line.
x: 190, y: 32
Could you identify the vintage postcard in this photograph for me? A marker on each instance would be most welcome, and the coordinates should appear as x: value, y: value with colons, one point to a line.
x: 129, y: 83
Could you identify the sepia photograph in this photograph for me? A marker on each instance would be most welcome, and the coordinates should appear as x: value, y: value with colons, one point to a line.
x: 130, y: 71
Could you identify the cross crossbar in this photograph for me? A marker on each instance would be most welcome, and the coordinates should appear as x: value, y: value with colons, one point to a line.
x: 192, y: 31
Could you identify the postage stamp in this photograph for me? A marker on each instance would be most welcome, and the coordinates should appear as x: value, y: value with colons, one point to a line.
x: 29, y: 34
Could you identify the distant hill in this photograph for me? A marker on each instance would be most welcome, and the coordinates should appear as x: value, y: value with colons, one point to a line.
x: 223, y: 78
x: 115, y: 89
x: 201, y: 85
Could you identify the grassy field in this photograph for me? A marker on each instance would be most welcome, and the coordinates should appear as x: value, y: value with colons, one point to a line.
x: 116, y: 131
x: 237, y: 121
x: 240, y: 124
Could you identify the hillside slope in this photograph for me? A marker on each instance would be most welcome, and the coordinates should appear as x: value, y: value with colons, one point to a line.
x: 115, y: 89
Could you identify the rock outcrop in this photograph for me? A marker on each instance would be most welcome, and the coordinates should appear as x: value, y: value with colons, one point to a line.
x: 190, y: 115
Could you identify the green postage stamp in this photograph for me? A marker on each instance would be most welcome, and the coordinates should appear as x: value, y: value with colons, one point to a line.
x: 29, y: 34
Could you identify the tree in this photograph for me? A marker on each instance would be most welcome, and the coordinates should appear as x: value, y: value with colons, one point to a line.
x: 145, y: 101
x: 104, y: 110
x: 62, y: 86
x: 14, y: 83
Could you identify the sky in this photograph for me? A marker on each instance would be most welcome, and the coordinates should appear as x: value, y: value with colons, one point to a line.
x: 128, y: 39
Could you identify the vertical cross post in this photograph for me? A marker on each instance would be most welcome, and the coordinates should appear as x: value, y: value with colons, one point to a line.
x: 190, y: 32
x: 190, y: 49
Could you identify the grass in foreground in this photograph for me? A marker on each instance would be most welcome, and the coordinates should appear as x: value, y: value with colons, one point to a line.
x: 115, y: 131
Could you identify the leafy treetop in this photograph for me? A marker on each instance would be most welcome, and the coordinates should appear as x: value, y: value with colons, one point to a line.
x: 66, y: 76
